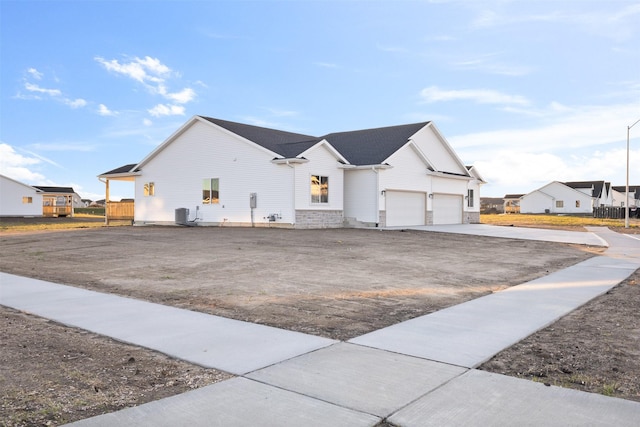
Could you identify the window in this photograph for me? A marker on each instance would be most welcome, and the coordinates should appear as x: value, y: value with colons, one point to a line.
x: 469, y: 198
x: 319, y: 189
x: 149, y: 189
x: 210, y: 191
x: 27, y: 199
x: 559, y: 203
x: 577, y: 203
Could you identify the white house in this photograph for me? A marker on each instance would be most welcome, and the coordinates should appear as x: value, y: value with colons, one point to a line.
x: 18, y: 199
x: 567, y: 197
x: 228, y: 173
x: 618, y: 195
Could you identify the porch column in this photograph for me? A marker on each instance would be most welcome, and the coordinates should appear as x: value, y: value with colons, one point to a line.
x: 106, y: 203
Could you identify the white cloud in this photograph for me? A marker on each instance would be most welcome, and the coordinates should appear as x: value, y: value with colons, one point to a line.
x: 153, y: 75
x: 55, y: 94
x: 75, y: 103
x: 281, y: 113
x: 143, y: 70
x: 17, y: 166
x: 490, y: 63
x: 182, y: 97
x: 480, y: 96
x: 564, y: 144
x: 166, y: 110
x: 560, y: 127
x: 31, y: 87
x: 326, y: 64
x: 81, y: 147
x: 103, y: 110
x: 147, y: 122
x: 35, y: 73
x: 619, y: 24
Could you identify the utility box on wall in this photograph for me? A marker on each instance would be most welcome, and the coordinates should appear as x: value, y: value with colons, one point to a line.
x: 253, y: 200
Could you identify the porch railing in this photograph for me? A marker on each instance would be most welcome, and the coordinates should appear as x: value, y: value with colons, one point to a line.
x: 119, y: 211
x: 53, y: 211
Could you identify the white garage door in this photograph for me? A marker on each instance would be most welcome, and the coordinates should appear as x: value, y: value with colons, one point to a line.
x: 405, y: 208
x: 447, y: 209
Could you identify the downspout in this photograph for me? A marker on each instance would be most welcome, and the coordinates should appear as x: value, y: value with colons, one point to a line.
x: 377, y: 216
x: 293, y: 200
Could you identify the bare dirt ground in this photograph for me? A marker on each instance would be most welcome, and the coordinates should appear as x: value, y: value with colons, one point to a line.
x: 596, y: 348
x: 333, y: 283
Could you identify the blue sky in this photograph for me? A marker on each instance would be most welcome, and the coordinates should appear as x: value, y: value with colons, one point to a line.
x: 527, y: 91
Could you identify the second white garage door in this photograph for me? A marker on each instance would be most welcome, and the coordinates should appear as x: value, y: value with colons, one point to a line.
x: 447, y: 209
x: 405, y: 208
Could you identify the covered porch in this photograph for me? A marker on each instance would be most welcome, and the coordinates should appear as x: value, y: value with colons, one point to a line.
x: 123, y: 210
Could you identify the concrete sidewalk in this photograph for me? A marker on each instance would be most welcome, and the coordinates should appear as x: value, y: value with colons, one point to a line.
x: 415, y: 373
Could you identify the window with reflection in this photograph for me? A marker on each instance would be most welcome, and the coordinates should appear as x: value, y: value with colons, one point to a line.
x: 210, y: 191
x: 319, y: 189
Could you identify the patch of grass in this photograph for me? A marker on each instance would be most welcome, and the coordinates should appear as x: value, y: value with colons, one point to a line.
x: 557, y: 221
x: 610, y: 389
x: 30, y: 226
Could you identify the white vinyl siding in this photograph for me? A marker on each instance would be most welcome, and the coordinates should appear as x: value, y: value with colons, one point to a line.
x: 201, y: 151
x: 322, y: 162
x: 13, y: 195
x: 361, y: 194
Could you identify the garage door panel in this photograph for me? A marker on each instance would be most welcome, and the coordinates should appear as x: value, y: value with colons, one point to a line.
x: 405, y: 208
x: 447, y: 209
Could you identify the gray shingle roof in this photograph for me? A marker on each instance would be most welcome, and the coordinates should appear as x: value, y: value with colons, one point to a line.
x: 596, y: 185
x: 55, y: 189
x: 287, y: 144
x: 360, y: 147
x: 121, y: 169
x: 372, y: 146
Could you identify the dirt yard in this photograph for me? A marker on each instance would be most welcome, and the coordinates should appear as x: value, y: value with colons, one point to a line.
x: 333, y: 283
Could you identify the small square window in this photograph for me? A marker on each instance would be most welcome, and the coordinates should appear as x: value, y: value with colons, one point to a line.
x: 27, y: 199
x: 149, y: 189
x: 559, y: 203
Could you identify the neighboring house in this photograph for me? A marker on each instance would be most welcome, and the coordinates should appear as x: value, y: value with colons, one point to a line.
x: 228, y: 173
x: 59, y: 201
x: 18, y: 199
x: 567, y: 197
x: 511, y: 203
x: 86, y: 203
x: 600, y: 191
x: 492, y: 205
x: 618, y: 195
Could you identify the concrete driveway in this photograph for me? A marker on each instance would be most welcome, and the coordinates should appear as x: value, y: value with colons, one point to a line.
x: 544, y: 235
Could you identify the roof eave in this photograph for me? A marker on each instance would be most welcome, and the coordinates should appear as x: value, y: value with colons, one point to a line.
x: 289, y: 161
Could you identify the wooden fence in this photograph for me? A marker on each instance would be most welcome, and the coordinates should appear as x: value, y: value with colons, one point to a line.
x: 119, y: 211
x: 615, y: 212
x: 54, y: 211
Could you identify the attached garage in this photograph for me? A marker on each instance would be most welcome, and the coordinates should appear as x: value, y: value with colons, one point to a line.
x: 405, y: 208
x: 447, y: 209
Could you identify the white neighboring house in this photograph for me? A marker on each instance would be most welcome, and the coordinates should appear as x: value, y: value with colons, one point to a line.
x: 567, y: 197
x: 18, y: 199
x: 618, y: 195
x: 228, y: 173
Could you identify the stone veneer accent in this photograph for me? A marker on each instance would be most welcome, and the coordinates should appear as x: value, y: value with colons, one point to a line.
x: 319, y: 219
x: 382, y: 217
x: 472, y: 217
